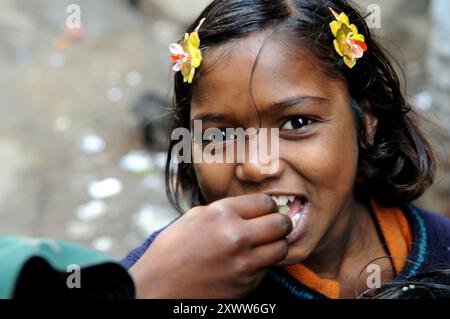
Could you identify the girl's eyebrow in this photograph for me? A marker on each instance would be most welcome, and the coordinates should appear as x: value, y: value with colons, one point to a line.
x: 211, y: 117
x: 295, y: 100
x: 273, y: 108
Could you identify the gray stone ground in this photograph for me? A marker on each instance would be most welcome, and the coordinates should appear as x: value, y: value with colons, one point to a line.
x: 66, y: 119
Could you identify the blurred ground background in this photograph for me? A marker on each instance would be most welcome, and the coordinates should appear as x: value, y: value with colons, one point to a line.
x: 73, y: 162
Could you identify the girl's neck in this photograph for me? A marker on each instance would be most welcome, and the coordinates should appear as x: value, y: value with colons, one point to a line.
x: 348, y: 248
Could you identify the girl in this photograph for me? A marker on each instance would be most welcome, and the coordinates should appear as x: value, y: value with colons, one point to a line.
x: 351, y: 159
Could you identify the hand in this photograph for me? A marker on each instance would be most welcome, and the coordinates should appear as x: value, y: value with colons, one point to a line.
x: 222, y: 250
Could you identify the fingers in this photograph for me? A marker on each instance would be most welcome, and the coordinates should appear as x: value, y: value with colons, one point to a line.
x: 248, y: 206
x: 269, y: 254
x: 286, y: 261
x: 268, y: 228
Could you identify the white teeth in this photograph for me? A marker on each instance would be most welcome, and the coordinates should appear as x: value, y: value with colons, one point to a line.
x: 275, y: 199
x: 283, y: 200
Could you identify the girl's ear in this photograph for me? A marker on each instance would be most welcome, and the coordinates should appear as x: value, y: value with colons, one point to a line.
x: 370, y: 123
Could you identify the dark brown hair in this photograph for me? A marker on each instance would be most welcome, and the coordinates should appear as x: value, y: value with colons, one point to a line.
x: 396, y: 168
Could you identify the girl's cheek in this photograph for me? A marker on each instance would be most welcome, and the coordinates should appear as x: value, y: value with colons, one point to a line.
x: 214, y: 180
x: 341, y: 163
x: 326, y: 161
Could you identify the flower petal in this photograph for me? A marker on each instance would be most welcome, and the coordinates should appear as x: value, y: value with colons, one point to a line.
x: 176, y: 49
x: 185, y: 44
x: 357, y: 51
x: 196, y: 58
x: 191, y: 75
x: 185, y: 70
x: 349, y: 62
x: 194, y: 40
x: 359, y: 37
x: 363, y: 46
x: 344, y: 18
x: 353, y: 28
x: 335, y: 26
x: 337, y: 48
x: 178, y: 66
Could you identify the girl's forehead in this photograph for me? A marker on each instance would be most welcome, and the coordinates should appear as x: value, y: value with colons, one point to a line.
x: 263, y: 65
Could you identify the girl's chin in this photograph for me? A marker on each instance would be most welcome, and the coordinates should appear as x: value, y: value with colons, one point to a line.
x: 297, y: 254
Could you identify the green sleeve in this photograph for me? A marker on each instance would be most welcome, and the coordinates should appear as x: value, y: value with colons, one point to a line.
x: 46, y: 268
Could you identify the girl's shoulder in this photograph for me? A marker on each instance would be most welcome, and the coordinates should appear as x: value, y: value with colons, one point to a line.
x: 431, y: 239
x: 134, y: 255
x: 433, y: 222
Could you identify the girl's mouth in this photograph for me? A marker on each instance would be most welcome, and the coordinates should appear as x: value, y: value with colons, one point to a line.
x: 297, y: 208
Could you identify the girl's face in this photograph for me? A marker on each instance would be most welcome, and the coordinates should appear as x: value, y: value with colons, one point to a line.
x: 318, y: 141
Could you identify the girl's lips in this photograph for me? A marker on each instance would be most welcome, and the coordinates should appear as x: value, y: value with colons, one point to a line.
x: 297, y: 208
x: 300, y: 221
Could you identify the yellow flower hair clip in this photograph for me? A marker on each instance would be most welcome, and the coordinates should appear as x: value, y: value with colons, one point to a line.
x: 349, y: 44
x: 187, y: 56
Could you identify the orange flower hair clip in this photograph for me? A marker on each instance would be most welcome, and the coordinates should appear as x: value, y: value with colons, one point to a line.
x: 349, y: 44
x: 187, y: 56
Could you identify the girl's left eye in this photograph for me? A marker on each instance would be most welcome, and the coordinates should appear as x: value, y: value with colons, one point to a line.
x: 297, y: 123
x: 213, y: 137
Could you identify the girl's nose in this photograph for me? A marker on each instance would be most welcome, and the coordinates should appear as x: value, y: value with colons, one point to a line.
x: 257, y: 172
